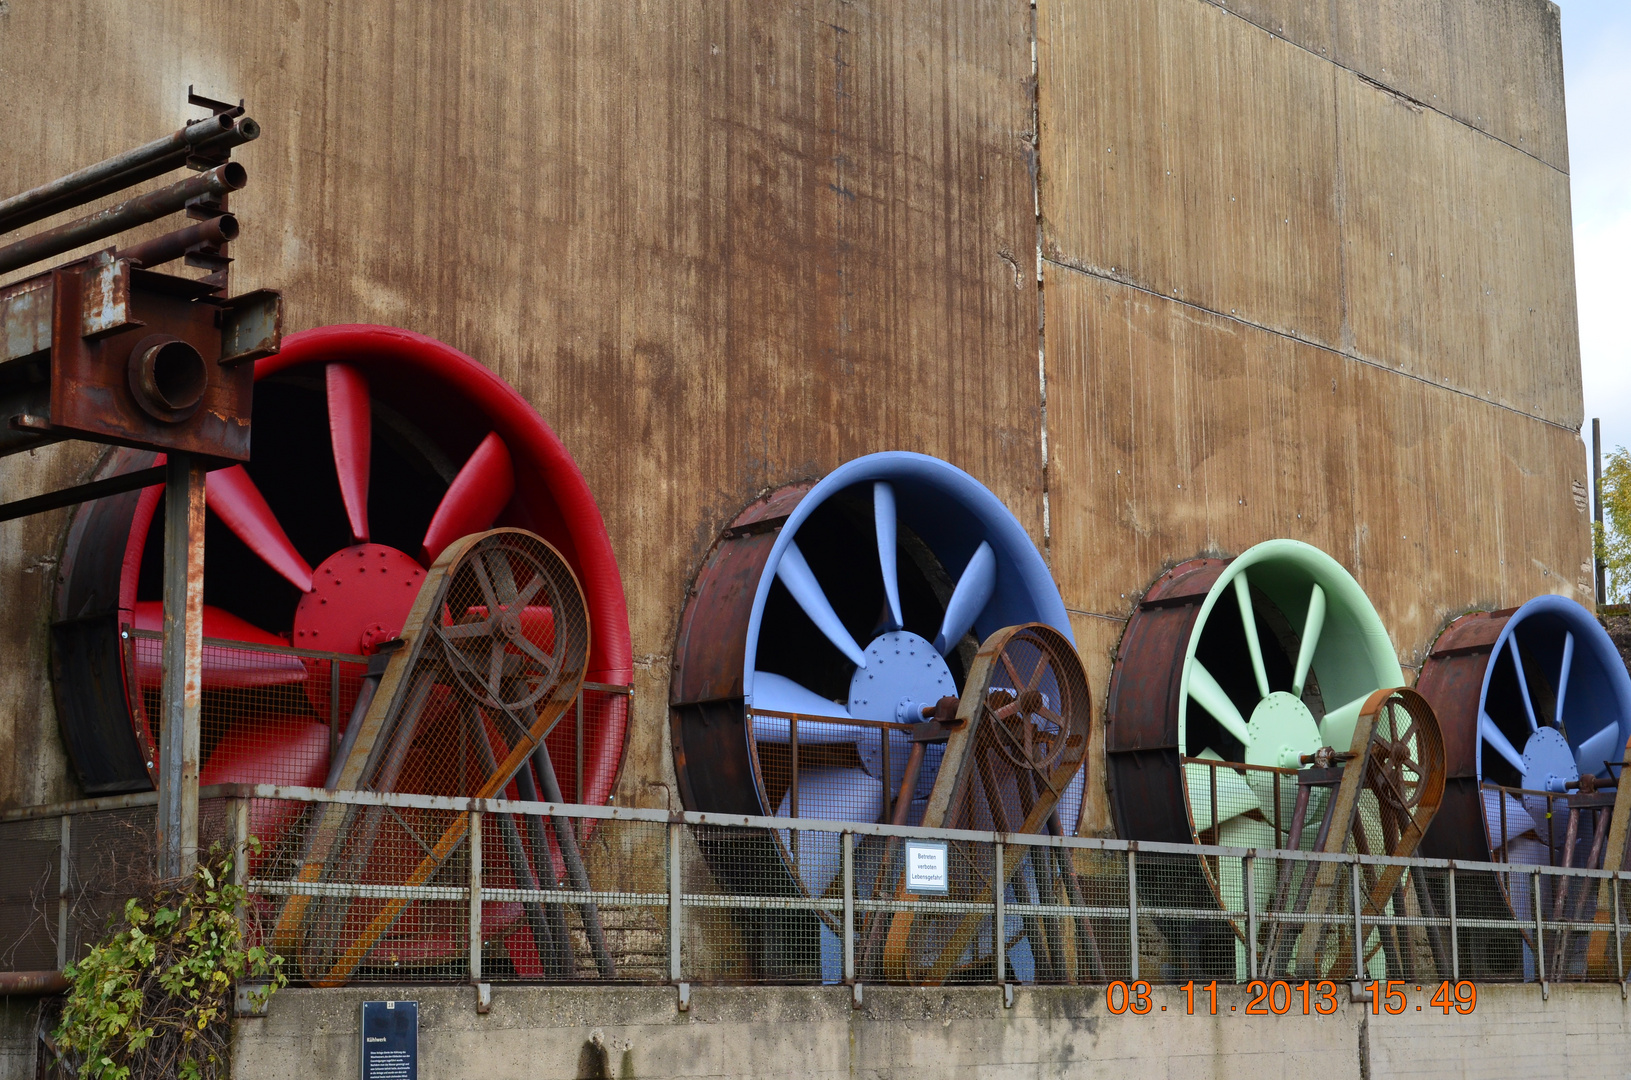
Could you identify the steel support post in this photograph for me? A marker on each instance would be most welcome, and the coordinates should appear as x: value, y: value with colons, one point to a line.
x: 1619, y: 945
x: 1540, y: 931
x: 1248, y: 865
x: 64, y: 872
x: 183, y: 656
x: 578, y: 795
x: 238, y: 830
x: 849, y: 906
x: 475, y: 897
x: 1455, y: 941
x: 999, y: 915
x: 1132, y: 913
x: 675, y: 926
x: 1359, y: 924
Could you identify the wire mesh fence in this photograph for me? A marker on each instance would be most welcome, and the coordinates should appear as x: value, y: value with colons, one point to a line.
x: 359, y: 887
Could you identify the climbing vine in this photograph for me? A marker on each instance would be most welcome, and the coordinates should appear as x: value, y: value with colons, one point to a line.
x: 155, y: 998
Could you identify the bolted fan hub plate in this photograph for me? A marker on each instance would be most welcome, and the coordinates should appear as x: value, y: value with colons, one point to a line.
x: 1548, y: 763
x: 1282, y: 730
x: 360, y: 597
x: 903, y: 673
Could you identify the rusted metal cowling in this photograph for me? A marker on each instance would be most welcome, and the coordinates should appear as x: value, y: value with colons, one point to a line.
x: 1452, y: 678
x: 1141, y: 719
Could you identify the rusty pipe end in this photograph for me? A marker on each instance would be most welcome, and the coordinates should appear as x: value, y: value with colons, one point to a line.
x: 231, y: 176
x: 32, y: 983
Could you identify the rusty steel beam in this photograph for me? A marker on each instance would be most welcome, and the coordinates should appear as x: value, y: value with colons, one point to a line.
x: 180, y: 695
x: 126, y: 215
x: 113, y: 485
x: 171, y: 246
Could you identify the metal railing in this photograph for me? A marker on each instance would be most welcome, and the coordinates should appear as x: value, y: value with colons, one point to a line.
x: 648, y: 896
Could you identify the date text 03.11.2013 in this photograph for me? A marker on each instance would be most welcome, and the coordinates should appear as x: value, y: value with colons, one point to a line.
x: 1306, y: 998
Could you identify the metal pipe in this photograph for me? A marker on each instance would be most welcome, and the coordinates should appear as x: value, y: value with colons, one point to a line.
x: 170, y: 246
x: 246, y: 130
x: 126, y: 215
x: 37, y: 203
x: 32, y: 983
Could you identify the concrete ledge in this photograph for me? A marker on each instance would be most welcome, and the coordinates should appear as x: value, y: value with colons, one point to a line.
x: 538, y: 1033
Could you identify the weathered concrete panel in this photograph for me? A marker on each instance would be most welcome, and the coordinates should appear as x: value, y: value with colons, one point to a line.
x: 1189, y: 153
x: 1174, y: 432
x: 1495, y: 65
x: 1458, y: 256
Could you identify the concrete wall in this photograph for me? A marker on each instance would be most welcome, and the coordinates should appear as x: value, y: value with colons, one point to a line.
x: 1291, y: 269
x: 537, y: 1033
x: 540, y: 1034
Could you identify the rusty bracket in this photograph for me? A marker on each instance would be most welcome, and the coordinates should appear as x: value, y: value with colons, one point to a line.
x: 251, y: 326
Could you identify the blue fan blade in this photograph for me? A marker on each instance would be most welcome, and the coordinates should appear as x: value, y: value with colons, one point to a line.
x: 1602, y: 747
x: 969, y: 598
x: 795, y: 573
x: 883, y: 513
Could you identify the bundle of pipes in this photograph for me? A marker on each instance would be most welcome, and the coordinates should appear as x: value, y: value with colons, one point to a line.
x: 200, y: 145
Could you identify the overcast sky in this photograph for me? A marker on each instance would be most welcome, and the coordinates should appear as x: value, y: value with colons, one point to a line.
x: 1597, y: 82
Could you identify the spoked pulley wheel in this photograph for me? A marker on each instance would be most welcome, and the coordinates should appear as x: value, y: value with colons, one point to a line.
x: 1022, y: 736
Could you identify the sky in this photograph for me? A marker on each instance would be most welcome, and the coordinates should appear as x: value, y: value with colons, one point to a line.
x: 1597, y: 88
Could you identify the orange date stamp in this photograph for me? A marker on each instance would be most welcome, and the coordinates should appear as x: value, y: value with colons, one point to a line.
x: 1306, y: 998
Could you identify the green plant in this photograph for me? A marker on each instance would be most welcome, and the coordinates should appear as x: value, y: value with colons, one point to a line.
x: 1613, y: 538
x: 155, y: 998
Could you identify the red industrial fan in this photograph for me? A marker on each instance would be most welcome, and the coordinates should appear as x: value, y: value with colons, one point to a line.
x: 374, y: 448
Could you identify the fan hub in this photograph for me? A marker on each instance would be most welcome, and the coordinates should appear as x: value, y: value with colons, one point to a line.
x: 1548, y: 763
x: 1282, y: 730
x: 903, y: 671
x: 360, y: 597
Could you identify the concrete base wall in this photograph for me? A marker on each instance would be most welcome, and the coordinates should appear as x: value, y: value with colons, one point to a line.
x: 544, y: 1033
x: 537, y: 1033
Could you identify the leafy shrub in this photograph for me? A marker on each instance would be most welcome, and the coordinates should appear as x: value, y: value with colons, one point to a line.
x: 155, y: 999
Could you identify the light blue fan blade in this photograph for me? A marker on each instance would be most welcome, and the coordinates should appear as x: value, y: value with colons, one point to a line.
x: 1563, y: 677
x: 883, y: 513
x: 1602, y: 747
x: 1497, y: 739
x: 778, y: 693
x: 968, y: 599
x: 796, y: 574
x: 1523, y: 682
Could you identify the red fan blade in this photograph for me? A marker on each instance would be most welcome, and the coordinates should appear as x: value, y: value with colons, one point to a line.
x: 238, y: 502
x: 349, y: 425
x: 482, y: 488
x: 223, y: 668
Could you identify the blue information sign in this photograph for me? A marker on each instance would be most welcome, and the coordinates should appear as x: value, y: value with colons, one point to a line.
x: 390, y: 1040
